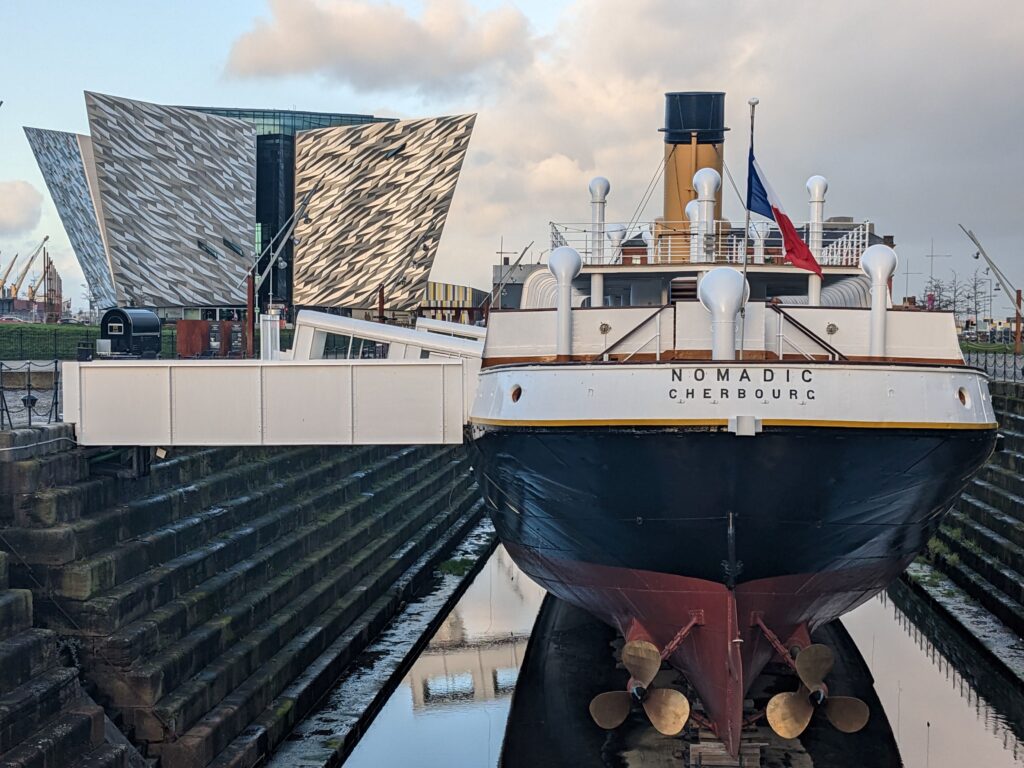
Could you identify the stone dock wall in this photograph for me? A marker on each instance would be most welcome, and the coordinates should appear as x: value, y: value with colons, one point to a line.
x: 209, y: 604
x: 974, y: 569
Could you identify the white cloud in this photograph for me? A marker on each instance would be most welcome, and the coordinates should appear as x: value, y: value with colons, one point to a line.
x: 20, y: 207
x: 381, y: 47
x: 908, y: 108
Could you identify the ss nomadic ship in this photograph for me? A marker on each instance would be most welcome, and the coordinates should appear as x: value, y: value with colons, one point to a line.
x: 714, y: 451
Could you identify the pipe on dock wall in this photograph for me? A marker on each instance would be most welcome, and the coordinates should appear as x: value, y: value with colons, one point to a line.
x: 565, y: 264
x: 879, y: 263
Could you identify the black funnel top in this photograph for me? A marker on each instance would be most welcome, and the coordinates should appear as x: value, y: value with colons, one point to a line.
x: 701, y: 111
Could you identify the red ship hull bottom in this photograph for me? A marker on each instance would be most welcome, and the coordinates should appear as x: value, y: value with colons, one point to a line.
x: 726, y: 650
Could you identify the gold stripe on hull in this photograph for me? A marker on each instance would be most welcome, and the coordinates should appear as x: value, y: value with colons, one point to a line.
x: 838, y: 424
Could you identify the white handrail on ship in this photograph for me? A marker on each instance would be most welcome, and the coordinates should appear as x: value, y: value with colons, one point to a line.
x: 671, y: 242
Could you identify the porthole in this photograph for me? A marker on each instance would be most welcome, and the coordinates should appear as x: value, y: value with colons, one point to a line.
x: 517, y: 392
x: 964, y: 397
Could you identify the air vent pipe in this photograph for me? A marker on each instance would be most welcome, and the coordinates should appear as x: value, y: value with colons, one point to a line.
x: 707, y: 182
x: 817, y: 186
x: 693, y: 217
x: 879, y: 263
x: 723, y: 291
x: 565, y: 264
x: 599, y: 189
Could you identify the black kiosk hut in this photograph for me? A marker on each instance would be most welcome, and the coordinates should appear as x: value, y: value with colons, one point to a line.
x: 130, y: 333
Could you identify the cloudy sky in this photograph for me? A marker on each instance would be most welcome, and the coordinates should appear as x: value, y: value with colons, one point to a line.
x: 911, y: 108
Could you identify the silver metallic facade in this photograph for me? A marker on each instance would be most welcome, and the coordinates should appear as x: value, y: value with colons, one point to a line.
x: 63, y: 159
x: 378, y: 216
x: 168, y: 178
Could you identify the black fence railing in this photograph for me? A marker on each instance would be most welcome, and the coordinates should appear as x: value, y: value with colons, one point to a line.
x: 29, y: 394
x: 1001, y: 366
x: 24, y: 341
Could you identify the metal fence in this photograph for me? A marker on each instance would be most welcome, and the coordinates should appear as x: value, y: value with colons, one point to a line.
x: 38, y: 342
x: 1001, y: 366
x: 29, y: 394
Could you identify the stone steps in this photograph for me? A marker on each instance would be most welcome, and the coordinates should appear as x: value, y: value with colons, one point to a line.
x: 85, y: 579
x: 25, y: 708
x: 51, y: 503
x: 64, y: 543
x: 304, y: 694
x: 261, y: 711
x: 982, y: 537
x: 26, y: 655
x: 77, y: 729
x: 1000, y: 605
x: 104, y: 756
x: 1006, y: 502
x: 283, y: 607
x: 1011, y: 482
x: 991, y: 518
x: 992, y: 568
x: 15, y: 612
x: 241, y: 581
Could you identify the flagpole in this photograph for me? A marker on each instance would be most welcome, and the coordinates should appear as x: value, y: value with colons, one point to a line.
x: 753, y: 102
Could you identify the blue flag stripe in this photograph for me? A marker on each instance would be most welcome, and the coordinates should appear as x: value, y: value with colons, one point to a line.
x: 757, y: 196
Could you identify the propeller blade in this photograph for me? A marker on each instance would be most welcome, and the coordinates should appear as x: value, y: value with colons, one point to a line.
x: 789, y: 713
x: 642, y: 659
x: 668, y: 710
x: 610, y: 709
x: 813, y: 663
x: 847, y: 713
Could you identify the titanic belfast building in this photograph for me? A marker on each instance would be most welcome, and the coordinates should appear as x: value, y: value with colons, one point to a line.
x: 169, y: 207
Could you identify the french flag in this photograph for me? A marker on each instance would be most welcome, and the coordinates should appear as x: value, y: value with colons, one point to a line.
x: 761, y: 198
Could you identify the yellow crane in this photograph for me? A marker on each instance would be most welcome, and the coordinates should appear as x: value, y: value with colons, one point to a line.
x: 24, y: 271
x: 34, y: 289
x: 3, y: 280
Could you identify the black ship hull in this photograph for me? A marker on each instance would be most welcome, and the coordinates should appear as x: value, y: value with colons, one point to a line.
x: 655, y: 529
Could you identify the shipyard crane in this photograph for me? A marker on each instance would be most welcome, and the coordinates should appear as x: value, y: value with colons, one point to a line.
x: 24, y: 270
x: 3, y: 280
x: 34, y: 289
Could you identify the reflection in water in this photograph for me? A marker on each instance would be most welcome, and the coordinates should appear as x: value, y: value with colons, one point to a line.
x: 452, y: 706
x: 450, y: 709
x: 936, y: 713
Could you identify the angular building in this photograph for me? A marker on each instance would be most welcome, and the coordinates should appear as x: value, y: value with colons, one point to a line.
x: 62, y: 159
x: 167, y: 207
x: 173, y: 185
x: 275, y: 178
x: 376, y: 218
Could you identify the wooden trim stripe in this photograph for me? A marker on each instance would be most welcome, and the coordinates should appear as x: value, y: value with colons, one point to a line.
x: 835, y: 424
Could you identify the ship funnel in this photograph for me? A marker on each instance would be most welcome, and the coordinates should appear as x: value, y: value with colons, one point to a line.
x: 879, y: 263
x: 565, y: 264
x: 723, y: 291
x: 694, y: 133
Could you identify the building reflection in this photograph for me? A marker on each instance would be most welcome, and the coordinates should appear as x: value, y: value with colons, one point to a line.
x: 476, y: 652
x: 964, y: 671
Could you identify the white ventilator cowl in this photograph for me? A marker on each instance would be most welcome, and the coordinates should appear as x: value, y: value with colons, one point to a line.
x: 722, y: 291
x: 565, y: 264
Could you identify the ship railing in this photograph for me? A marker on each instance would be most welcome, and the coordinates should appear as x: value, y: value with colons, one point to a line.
x: 783, y: 339
x: 655, y: 337
x: 680, y: 242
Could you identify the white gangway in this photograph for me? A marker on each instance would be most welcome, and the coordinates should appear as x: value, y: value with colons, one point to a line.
x: 418, y: 392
